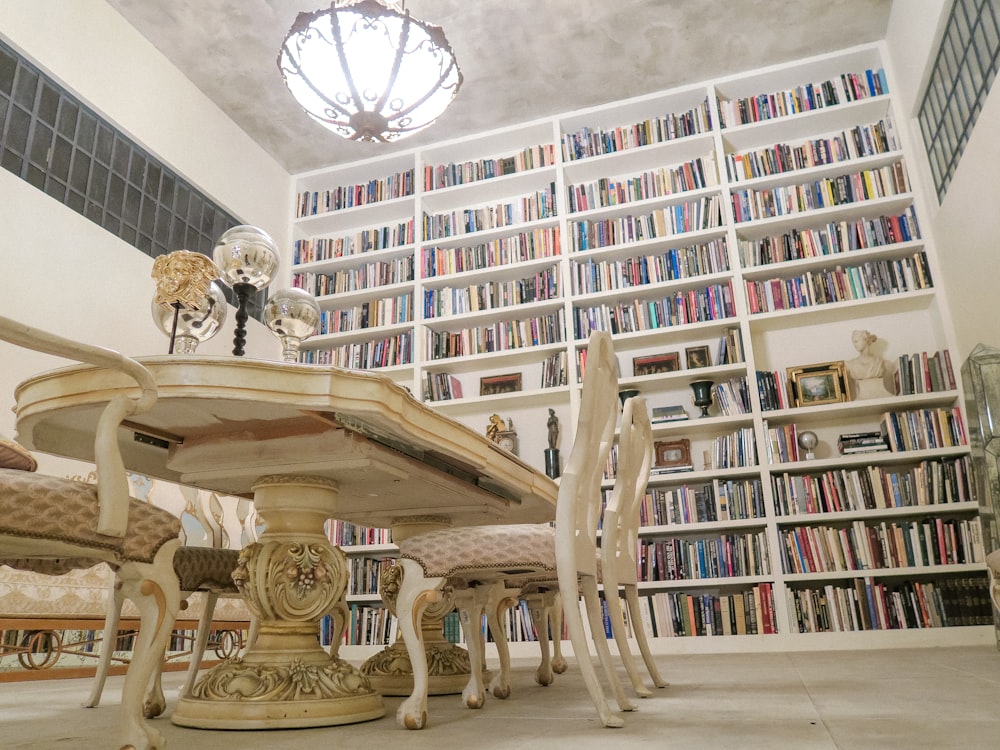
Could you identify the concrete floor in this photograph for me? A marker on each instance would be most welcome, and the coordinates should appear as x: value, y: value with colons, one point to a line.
x: 899, y: 698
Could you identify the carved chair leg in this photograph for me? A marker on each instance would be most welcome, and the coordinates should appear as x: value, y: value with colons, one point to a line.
x: 618, y: 629
x: 340, y: 614
x: 578, y: 637
x: 592, y: 599
x: 556, y: 624
x: 415, y: 593
x: 155, y: 591
x: 539, y: 606
x: 200, y: 642
x: 499, y: 600
x: 471, y: 605
x: 632, y: 599
x: 112, y: 617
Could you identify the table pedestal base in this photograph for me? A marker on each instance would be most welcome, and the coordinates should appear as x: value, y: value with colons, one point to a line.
x: 448, y: 669
x: 289, y: 579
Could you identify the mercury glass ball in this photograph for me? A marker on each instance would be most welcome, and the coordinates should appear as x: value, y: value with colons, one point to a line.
x: 246, y: 255
x: 293, y: 315
x: 808, y: 441
x: 193, y: 326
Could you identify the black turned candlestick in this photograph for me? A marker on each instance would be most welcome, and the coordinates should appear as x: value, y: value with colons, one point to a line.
x: 243, y: 292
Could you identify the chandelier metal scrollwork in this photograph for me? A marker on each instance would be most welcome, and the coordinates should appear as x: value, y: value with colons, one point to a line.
x: 369, y: 72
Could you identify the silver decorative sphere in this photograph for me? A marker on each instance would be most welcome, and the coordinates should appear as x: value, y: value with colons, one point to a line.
x: 246, y: 255
x: 293, y: 315
x: 193, y: 325
x: 808, y: 441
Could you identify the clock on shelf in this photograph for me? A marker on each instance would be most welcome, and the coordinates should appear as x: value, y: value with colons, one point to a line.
x: 502, y: 433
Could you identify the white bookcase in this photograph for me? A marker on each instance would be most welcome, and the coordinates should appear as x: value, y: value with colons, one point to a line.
x: 674, y: 258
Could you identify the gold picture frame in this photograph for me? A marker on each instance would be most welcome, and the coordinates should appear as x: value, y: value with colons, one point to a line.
x: 656, y: 363
x: 492, y: 385
x: 673, y: 454
x: 814, y: 385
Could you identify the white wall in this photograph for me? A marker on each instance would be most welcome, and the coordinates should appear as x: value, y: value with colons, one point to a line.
x: 61, y: 272
x: 966, y: 227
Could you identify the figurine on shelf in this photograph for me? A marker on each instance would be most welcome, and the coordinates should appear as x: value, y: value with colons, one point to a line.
x: 868, y: 370
x: 552, y: 468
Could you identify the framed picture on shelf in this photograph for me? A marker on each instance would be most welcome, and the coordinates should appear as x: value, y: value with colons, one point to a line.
x: 697, y: 356
x: 656, y: 363
x: 492, y: 385
x: 672, y: 455
x: 813, y: 385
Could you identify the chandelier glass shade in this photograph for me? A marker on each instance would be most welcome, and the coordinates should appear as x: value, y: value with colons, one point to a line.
x: 369, y: 72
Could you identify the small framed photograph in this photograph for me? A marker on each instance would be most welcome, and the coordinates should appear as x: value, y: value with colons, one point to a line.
x: 492, y: 385
x: 814, y: 385
x: 697, y: 356
x: 656, y: 363
x: 674, y: 455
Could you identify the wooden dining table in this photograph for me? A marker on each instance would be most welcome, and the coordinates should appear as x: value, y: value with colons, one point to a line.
x: 306, y: 443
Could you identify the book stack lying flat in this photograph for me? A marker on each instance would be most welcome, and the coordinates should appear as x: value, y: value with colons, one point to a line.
x: 861, y: 442
x: 668, y: 414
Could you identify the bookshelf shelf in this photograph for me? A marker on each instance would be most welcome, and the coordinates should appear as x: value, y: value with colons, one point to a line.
x: 601, y: 249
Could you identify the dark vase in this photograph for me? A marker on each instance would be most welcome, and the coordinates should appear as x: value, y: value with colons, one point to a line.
x: 626, y: 394
x: 702, y: 395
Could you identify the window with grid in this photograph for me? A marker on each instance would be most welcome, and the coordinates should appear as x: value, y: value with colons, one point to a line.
x: 55, y: 142
x: 960, y: 80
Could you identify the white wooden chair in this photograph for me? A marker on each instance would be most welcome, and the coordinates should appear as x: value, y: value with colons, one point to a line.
x: 473, y: 562
x: 53, y: 525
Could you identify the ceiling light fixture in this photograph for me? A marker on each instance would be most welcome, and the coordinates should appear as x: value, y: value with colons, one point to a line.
x: 369, y: 71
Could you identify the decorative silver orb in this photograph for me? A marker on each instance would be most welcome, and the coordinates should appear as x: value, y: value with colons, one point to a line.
x: 246, y: 255
x: 808, y: 441
x: 293, y: 315
x: 193, y: 325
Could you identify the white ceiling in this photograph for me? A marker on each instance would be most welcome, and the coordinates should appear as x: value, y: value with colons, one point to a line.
x: 521, y: 59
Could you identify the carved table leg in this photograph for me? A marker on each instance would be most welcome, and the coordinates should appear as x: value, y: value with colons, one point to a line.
x: 290, y: 579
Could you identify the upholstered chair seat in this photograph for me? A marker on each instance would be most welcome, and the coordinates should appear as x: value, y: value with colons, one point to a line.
x: 491, y: 552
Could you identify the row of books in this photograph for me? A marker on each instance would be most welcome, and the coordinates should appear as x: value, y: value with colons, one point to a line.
x: 442, y: 386
x: 924, y: 373
x: 923, y: 429
x: 848, y: 87
x: 357, y: 243
x: 504, y: 335
x: 368, y: 276
x: 782, y: 443
x: 835, y: 237
x: 714, y: 302
x: 586, y: 142
x: 461, y: 173
x: 542, y: 242
x: 722, y: 556
x: 678, y: 614
x: 734, y: 450
x: 365, y: 572
x: 655, y: 183
x: 876, y: 605
x: 347, y: 534
x: 367, y: 625
x: 931, y: 482
x: 878, y: 546
x: 538, y: 205
x: 371, y: 314
x: 679, y: 218
x: 732, y: 396
x: 864, y: 140
x: 875, y: 278
x: 542, y: 285
x: 772, y: 387
x: 717, y: 500
x: 754, y: 204
x: 588, y: 276
x: 365, y: 355
x: 375, y: 190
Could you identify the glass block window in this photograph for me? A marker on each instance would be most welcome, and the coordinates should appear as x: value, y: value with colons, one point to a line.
x: 960, y: 80
x: 49, y: 138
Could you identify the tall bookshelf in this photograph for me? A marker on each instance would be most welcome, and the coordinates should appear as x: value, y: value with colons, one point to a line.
x: 762, y: 217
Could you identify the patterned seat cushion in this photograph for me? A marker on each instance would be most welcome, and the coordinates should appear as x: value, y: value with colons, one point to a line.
x: 206, y: 569
x: 37, y: 506
x: 514, y: 548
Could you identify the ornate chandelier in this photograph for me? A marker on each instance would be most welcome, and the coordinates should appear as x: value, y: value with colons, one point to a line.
x: 367, y: 71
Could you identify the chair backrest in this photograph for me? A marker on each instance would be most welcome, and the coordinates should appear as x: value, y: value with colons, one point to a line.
x: 578, y: 506
x: 620, y: 530
x: 112, y: 481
